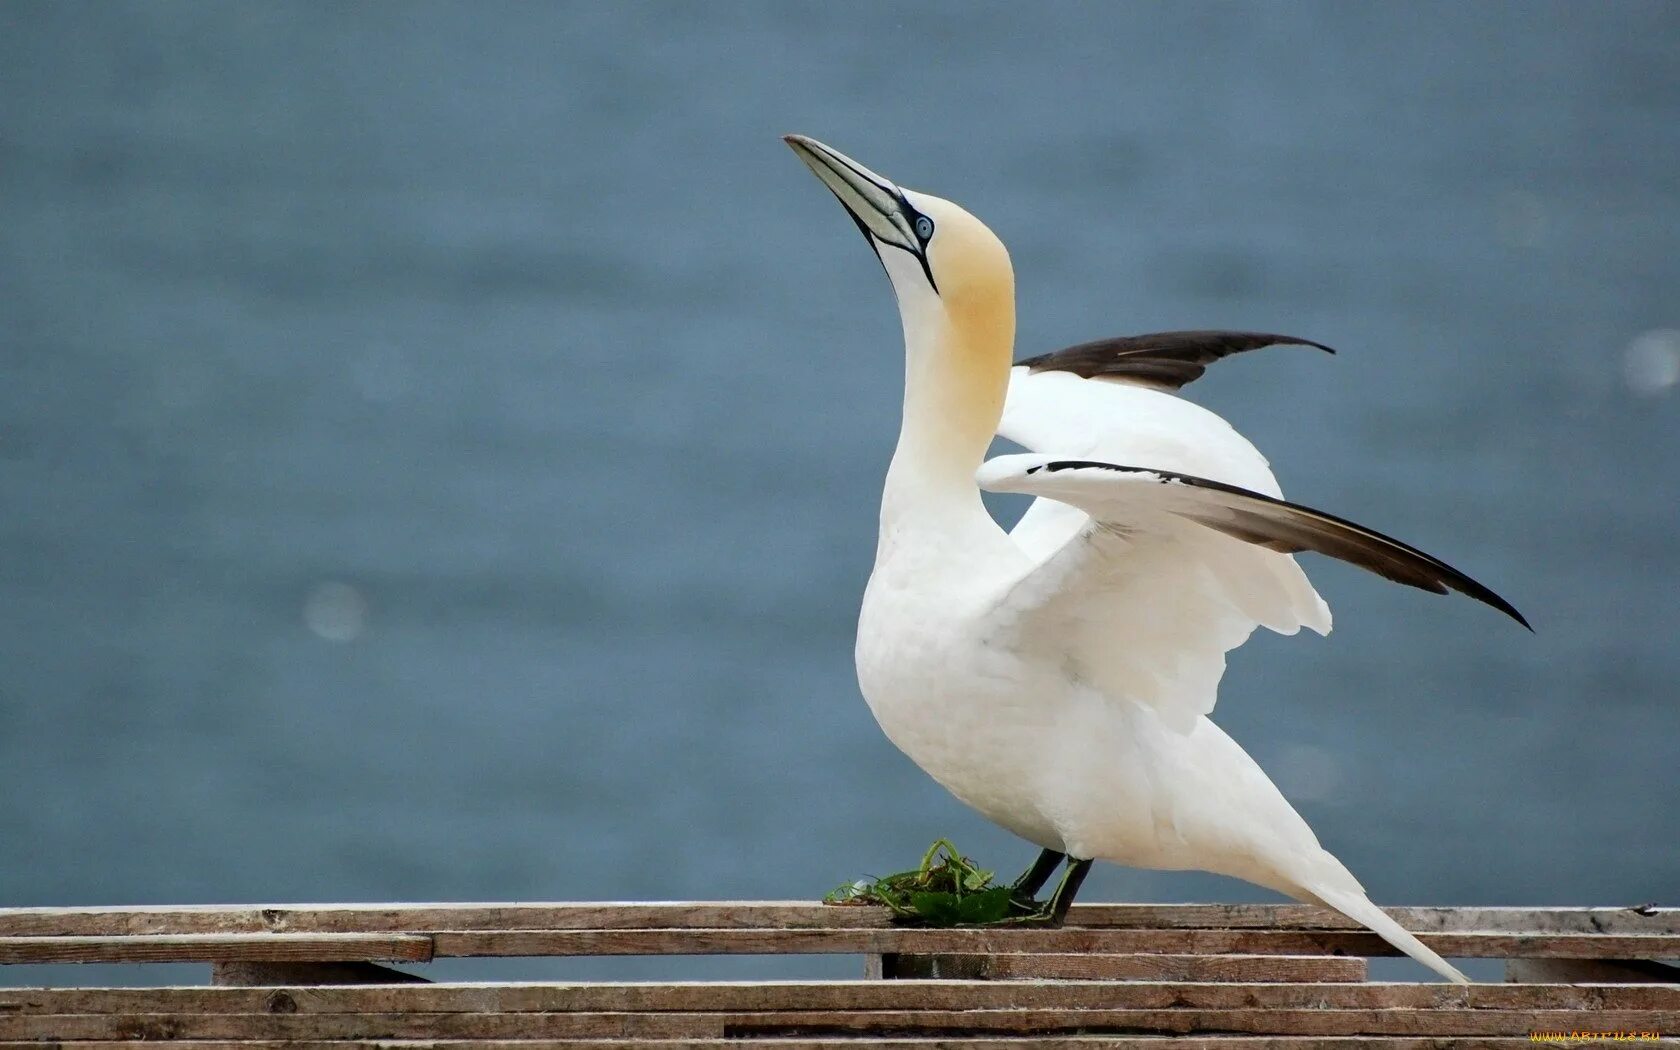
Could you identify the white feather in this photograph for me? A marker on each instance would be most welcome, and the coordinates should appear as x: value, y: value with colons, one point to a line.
x: 1153, y: 614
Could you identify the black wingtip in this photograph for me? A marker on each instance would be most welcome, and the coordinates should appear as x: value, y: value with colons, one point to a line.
x: 1464, y: 585
x: 1452, y: 579
x: 1511, y: 611
x: 1165, y: 360
x: 1291, y: 340
x: 1436, y: 576
x: 1484, y: 594
x: 1487, y: 597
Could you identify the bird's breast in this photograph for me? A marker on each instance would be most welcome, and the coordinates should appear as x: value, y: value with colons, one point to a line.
x: 963, y: 709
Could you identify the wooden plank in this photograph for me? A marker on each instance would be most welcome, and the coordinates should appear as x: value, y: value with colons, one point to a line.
x: 792, y: 1023
x: 1106, y: 1042
x: 382, y: 947
x: 214, y: 947
x: 1635, y: 920
x: 400, y: 918
x: 424, y: 917
x: 859, y: 996
x: 140, y: 919
x: 1067, y: 940
x: 1100, y: 967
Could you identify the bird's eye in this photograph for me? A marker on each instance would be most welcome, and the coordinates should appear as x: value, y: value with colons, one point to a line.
x: 924, y: 227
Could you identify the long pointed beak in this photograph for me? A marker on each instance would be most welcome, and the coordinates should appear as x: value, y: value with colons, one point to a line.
x: 875, y: 204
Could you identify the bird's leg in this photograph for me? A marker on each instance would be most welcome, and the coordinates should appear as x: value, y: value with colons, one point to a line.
x: 1033, y: 879
x: 1062, y: 899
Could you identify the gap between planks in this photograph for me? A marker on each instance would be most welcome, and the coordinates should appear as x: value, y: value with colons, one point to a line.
x: 1306, y: 969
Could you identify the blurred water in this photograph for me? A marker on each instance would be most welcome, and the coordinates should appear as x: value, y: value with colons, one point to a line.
x: 439, y: 444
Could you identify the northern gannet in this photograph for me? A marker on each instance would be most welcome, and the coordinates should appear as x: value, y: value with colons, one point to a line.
x: 1058, y: 677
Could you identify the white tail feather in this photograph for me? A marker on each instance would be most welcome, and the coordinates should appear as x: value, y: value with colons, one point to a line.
x: 1358, y: 907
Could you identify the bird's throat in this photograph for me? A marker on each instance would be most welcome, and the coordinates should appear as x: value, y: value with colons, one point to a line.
x: 955, y: 378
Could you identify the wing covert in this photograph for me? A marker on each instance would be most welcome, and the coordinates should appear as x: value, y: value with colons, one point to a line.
x: 1128, y: 499
x: 1167, y: 572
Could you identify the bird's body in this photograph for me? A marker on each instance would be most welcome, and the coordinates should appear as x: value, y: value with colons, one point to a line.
x: 1007, y: 717
x: 1058, y: 678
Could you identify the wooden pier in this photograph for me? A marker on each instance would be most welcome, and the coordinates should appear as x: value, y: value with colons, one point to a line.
x: 1257, y: 977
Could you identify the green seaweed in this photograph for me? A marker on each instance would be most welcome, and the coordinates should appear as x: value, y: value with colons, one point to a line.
x: 947, y: 889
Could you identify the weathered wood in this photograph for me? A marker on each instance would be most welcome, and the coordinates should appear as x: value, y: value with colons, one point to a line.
x: 1057, y: 1042
x: 1100, y: 967
x: 401, y: 918
x: 793, y: 1023
x: 271, y: 974
x: 1069, y: 940
x: 469, y: 943
x: 1247, y: 977
x: 420, y: 918
x: 861, y: 996
x: 215, y: 947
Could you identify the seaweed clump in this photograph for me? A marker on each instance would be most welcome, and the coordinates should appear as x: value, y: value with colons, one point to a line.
x: 947, y: 889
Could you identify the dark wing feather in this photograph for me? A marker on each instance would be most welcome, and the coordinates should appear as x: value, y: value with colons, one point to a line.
x: 1167, y: 360
x: 1291, y: 528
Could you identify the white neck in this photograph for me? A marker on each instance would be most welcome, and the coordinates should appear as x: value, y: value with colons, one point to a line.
x: 955, y: 376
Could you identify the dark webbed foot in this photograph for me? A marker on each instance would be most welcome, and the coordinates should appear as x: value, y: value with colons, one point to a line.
x: 1054, y: 912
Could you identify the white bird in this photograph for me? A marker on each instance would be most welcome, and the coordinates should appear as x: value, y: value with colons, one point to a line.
x: 1058, y: 677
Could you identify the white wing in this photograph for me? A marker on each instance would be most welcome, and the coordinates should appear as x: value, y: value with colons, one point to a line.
x: 1103, y: 400
x: 1149, y: 597
x: 1150, y: 617
x: 1163, y: 556
x: 1118, y: 422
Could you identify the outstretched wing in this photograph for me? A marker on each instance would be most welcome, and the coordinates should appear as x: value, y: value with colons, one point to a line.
x: 1126, y: 499
x: 1164, y: 360
x: 1124, y: 422
x: 1170, y: 571
x: 1147, y: 606
x: 1150, y: 619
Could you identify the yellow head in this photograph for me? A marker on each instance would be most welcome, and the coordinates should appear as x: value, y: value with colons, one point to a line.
x: 955, y: 288
x: 958, y: 260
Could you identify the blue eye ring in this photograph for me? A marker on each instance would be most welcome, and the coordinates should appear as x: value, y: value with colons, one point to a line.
x: 924, y: 227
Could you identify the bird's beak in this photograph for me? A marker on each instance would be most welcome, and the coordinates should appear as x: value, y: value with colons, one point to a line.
x: 875, y: 204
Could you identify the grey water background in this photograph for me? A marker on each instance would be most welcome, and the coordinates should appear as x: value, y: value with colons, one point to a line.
x: 439, y: 443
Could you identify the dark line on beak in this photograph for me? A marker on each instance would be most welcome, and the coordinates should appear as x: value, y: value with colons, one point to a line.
x: 863, y: 229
